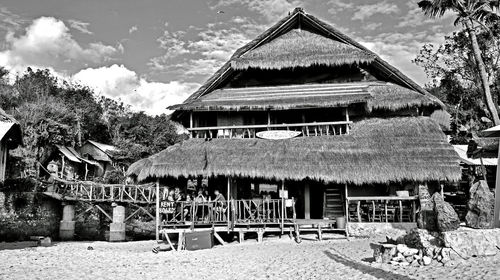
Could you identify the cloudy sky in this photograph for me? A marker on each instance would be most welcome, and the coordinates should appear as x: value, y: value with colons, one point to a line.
x: 154, y: 53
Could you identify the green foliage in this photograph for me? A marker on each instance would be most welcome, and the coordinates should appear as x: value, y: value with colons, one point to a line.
x: 53, y: 112
x: 451, y: 68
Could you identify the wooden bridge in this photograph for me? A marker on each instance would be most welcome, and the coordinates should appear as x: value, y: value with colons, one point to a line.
x: 96, y: 192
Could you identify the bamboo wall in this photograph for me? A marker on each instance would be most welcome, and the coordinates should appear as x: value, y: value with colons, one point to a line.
x: 3, y: 160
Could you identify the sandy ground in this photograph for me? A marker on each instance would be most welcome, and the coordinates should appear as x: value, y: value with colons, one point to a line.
x: 273, y: 259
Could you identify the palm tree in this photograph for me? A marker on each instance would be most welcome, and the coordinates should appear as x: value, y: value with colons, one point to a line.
x: 471, y: 14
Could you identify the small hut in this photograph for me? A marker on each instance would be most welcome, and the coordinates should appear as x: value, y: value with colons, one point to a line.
x: 10, y: 138
x: 100, y: 153
x: 305, y: 117
x: 66, y: 163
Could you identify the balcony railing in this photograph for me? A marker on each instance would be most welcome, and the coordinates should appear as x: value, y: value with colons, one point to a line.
x: 386, y: 209
x: 250, y: 131
x: 232, y: 212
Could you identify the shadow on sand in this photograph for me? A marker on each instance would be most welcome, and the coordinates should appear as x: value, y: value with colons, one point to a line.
x: 366, y: 269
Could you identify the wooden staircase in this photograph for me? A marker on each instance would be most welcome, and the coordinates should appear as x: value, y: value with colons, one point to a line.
x: 333, y: 202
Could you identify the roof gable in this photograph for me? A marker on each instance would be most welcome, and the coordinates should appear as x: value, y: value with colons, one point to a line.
x: 298, y: 18
x: 301, y: 48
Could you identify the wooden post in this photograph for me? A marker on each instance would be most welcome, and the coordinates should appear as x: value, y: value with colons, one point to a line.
x: 62, y: 168
x: 282, y: 205
x: 228, y: 202
x: 157, y: 210
x: 191, y: 123
x: 268, y: 118
x: 346, y: 204
x: 307, y: 201
x: 347, y: 119
x: 496, y: 221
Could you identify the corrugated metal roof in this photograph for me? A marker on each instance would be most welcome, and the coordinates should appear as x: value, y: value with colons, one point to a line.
x: 4, y: 128
x: 74, y: 157
x: 281, y: 97
x: 462, y: 153
x: 104, y: 147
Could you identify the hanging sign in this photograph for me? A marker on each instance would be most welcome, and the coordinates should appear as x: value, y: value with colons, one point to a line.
x: 278, y: 134
x: 167, y: 207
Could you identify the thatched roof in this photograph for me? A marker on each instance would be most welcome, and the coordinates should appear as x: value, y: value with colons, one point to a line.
x: 376, y: 95
x: 143, y: 164
x: 10, y: 130
x: 376, y: 151
x: 301, y: 48
x: 255, y: 51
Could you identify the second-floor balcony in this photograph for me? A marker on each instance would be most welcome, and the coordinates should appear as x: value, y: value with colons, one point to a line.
x: 250, y: 131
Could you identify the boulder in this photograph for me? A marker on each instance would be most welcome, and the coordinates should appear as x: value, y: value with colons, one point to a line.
x: 446, y: 217
x: 426, y: 260
x: 426, y: 218
x: 481, y: 206
x: 467, y: 243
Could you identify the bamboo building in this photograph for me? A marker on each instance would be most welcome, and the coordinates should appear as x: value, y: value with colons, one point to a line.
x: 361, y: 136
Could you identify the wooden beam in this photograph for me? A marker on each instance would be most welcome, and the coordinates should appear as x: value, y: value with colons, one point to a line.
x: 307, y: 201
x: 496, y: 221
x: 104, y: 212
x: 217, y: 236
x: 157, y: 218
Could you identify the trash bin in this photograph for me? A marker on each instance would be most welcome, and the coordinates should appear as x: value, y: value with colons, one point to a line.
x: 340, y: 222
x: 199, y: 240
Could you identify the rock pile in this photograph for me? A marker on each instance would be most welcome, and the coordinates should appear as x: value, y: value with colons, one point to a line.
x: 402, y: 255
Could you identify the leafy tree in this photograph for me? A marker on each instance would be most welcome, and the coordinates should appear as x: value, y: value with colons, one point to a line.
x: 455, y: 80
x: 471, y: 14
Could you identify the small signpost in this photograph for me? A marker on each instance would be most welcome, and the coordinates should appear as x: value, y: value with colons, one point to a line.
x: 278, y: 134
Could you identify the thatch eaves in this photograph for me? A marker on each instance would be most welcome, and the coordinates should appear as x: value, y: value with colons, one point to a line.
x: 376, y: 151
x: 376, y: 96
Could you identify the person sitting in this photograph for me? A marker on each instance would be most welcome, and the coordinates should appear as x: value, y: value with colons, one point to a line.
x: 219, y: 203
x: 187, y: 206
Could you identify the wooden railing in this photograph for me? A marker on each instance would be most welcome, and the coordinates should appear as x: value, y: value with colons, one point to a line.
x: 250, y: 131
x: 381, y: 209
x: 232, y: 212
x: 96, y: 192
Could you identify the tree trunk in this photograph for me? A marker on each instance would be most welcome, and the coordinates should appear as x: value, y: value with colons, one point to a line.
x: 492, y: 107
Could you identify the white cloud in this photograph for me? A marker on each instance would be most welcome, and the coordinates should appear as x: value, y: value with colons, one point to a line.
x: 365, y: 11
x: 48, y: 42
x: 271, y: 10
x: 9, y: 20
x: 212, y: 47
x: 338, y: 6
x: 120, y: 83
x: 133, y: 29
x: 80, y: 26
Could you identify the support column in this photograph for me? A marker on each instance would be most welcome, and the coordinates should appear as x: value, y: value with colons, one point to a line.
x: 307, y: 201
x: 67, y: 225
x: 117, y: 227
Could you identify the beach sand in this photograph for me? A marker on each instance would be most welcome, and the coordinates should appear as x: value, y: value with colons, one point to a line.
x: 273, y: 259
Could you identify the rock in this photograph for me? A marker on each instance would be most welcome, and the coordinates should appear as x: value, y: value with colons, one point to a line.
x: 46, y: 242
x: 439, y: 258
x: 410, y: 252
x: 423, y: 239
x: 377, y: 252
x: 426, y: 218
x: 404, y: 263
x: 481, y: 206
x: 394, y: 262
x: 395, y: 237
x: 426, y: 260
x: 401, y: 248
x: 466, y: 243
x: 409, y: 259
x: 446, y: 217
x: 414, y: 263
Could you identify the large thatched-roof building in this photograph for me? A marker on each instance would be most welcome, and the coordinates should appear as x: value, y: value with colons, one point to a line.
x: 364, y: 128
x: 10, y: 138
